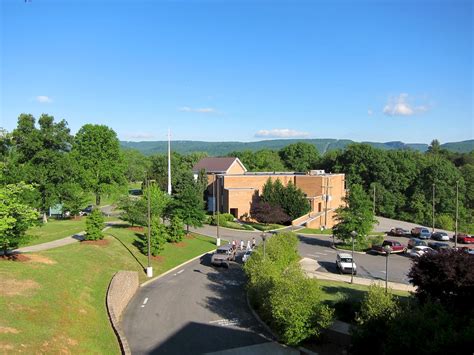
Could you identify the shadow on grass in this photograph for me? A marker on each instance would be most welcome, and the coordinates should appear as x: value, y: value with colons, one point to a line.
x: 345, y: 300
x: 128, y: 249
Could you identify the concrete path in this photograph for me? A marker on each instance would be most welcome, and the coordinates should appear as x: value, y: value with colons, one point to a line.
x: 311, y: 266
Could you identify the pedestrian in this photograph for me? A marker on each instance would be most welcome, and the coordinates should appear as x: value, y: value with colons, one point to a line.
x: 241, y: 244
x: 253, y: 242
x: 248, y: 245
x: 233, y: 244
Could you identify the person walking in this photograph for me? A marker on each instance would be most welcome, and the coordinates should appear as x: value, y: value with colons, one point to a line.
x: 241, y: 244
x: 234, y: 245
x: 248, y: 245
x: 253, y: 242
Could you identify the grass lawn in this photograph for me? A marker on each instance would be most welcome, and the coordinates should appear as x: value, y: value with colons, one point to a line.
x: 314, y: 231
x: 265, y: 227
x: 55, y: 303
x: 172, y: 255
x: 235, y: 225
x: 57, y: 229
x: 346, y: 297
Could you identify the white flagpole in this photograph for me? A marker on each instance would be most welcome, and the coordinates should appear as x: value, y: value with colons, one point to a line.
x: 169, y: 162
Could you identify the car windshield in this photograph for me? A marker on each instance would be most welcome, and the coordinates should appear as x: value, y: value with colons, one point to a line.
x: 425, y: 231
x: 346, y: 260
x: 221, y: 251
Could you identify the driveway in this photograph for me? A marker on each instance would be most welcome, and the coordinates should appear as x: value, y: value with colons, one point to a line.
x: 197, y: 309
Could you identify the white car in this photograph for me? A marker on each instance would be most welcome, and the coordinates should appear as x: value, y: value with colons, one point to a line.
x: 419, y: 250
x: 246, y: 256
x: 344, y: 263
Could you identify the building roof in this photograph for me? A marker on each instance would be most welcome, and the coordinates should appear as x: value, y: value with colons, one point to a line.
x: 217, y: 165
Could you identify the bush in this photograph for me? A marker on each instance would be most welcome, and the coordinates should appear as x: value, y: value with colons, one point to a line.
x: 296, y: 307
x: 444, y: 221
x: 377, y: 310
x: 223, y: 218
x: 134, y: 211
x: 175, y: 230
x: 94, y: 225
x: 446, y: 277
x: 158, y: 237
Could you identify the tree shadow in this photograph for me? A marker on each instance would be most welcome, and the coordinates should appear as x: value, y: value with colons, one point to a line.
x: 129, y: 250
x: 315, y: 241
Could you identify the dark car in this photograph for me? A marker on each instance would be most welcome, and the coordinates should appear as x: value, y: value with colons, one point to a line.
x: 440, y: 236
x: 396, y: 247
x: 421, y: 232
x: 86, y: 211
x: 415, y: 242
x: 398, y: 232
x: 439, y: 246
x: 464, y: 238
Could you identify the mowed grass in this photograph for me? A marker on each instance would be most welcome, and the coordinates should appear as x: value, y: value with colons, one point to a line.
x: 172, y: 255
x: 56, y: 304
x: 265, y: 227
x: 314, y: 231
x: 57, y: 229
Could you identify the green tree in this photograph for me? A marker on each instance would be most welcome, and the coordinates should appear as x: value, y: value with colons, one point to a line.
x: 15, y: 216
x: 134, y: 210
x: 435, y: 147
x: 158, y: 238
x: 175, y: 230
x: 137, y: 165
x: 261, y: 160
x: 188, y: 204
x: 97, y: 150
x: 41, y: 157
x: 299, y: 156
x: 94, y: 225
x: 73, y: 198
x: 356, y: 216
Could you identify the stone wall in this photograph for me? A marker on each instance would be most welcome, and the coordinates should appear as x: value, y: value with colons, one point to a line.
x: 122, y: 287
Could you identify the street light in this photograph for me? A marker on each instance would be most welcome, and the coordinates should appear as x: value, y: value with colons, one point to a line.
x: 353, y: 235
x: 149, y: 269
x: 218, y: 240
x: 264, y: 237
x: 388, y: 250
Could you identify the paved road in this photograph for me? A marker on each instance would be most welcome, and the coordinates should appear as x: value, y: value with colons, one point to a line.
x: 197, y: 309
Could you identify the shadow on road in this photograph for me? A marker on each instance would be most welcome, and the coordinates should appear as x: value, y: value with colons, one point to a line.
x: 205, y: 338
x: 316, y: 241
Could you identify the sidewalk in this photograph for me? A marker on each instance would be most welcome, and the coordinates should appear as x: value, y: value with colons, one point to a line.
x: 311, y: 266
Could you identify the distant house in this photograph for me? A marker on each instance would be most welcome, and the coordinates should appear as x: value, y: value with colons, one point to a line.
x: 231, y: 189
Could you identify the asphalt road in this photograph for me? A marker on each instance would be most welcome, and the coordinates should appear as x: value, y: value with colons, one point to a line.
x: 197, y: 309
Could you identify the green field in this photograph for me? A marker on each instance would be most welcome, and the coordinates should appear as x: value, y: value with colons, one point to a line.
x: 314, y: 231
x: 55, y: 303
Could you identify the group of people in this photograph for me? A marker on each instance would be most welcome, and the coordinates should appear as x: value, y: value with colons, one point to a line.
x: 242, y: 246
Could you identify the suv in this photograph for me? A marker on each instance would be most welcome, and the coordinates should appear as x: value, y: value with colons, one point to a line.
x: 396, y: 247
x: 223, y: 255
x: 344, y: 263
x: 421, y: 232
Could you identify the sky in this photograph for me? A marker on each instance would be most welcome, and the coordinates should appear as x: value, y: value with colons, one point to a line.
x: 242, y: 70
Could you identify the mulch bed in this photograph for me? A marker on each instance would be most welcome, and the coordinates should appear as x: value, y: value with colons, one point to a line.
x: 14, y: 257
x: 101, y: 242
x: 136, y: 229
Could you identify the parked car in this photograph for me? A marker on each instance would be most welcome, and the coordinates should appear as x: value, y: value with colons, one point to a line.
x: 246, y: 256
x: 395, y: 245
x: 398, y: 232
x: 223, y: 255
x: 86, y: 211
x: 440, y: 236
x: 344, y: 263
x: 414, y: 242
x: 464, y: 238
x: 439, y: 246
x: 419, y: 250
x: 421, y: 232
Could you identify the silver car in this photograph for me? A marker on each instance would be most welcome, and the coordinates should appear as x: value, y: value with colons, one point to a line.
x: 223, y: 255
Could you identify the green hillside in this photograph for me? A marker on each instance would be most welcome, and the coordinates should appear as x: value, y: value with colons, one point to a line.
x: 323, y: 145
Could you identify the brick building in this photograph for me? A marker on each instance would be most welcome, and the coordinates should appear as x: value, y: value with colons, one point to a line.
x: 234, y: 188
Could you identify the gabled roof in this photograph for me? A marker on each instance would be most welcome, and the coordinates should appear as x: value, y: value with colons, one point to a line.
x: 217, y: 165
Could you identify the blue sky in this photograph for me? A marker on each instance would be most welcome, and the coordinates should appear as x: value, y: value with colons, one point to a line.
x: 243, y: 70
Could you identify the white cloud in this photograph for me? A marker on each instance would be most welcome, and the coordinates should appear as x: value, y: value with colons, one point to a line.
x: 370, y: 112
x: 44, y: 99
x: 280, y: 133
x: 138, y: 136
x: 198, y: 110
x: 402, y: 105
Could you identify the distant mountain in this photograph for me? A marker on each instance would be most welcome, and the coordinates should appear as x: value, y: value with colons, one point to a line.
x: 323, y: 145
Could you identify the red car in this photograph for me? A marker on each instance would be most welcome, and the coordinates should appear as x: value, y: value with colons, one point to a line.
x: 396, y: 247
x: 464, y: 238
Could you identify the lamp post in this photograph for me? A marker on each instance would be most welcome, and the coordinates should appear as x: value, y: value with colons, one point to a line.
x: 432, y: 229
x: 149, y: 269
x: 218, y: 240
x: 264, y: 237
x: 353, y: 235
x: 388, y: 250
x: 457, y: 216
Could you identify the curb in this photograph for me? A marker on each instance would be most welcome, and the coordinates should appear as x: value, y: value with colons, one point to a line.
x: 349, y: 251
x: 153, y: 279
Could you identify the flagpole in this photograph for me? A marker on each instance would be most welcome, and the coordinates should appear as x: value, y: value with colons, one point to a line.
x: 169, y: 162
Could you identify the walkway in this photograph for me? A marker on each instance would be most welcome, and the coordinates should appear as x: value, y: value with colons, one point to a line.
x: 311, y: 266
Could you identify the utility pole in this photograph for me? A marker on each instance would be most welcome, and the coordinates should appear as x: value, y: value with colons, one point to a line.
x: 457, y: 216
x: 149, y: 269
x: 353, y: 235
x: 432, y: 229
x: 169, y: 162
x: 326, y: 198
x: 218, y: 241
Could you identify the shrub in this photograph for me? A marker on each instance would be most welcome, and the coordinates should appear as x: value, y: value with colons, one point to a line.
x: 376, y: 312
x: 175, y: 230
x: 264, y: 212
x: 444, y: 221
x: 296, y: 307
x: 94, y: 225
x: 223, y: 218
x: 133, y: 211
x: 446, y: 277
